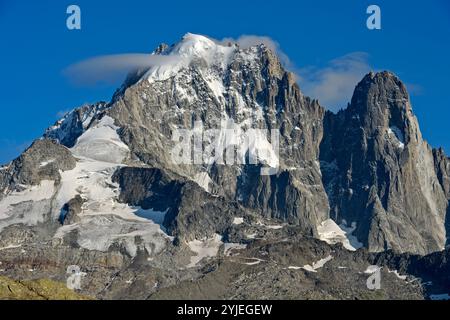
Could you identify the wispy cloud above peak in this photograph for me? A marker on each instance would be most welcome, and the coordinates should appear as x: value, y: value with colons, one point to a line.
x: 333, y: 84
x: 113, y: 68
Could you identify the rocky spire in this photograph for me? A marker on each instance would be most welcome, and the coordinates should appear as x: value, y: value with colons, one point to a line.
x: 384, y: 178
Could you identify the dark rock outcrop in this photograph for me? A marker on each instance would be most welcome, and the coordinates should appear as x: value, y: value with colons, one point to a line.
x: 191, y: 212
x: 70, y: 211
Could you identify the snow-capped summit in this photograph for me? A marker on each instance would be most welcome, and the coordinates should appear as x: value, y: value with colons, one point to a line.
x: 191, y: 47
x: 198, y: 45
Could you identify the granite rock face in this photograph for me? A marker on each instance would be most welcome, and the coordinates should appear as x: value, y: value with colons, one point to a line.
x: 379, y: 173
x: 252, y: 91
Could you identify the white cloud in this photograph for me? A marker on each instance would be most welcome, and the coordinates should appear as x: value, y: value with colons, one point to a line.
x: 113, y: 68
x: 415, y: 89
x: 334, y: 84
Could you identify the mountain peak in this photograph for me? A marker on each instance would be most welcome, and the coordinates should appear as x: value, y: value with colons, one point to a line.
x: 386, y: 79
x: 191, y: 47
x: 380, y: 93
x: 195, y: 45
x: 206, y: 53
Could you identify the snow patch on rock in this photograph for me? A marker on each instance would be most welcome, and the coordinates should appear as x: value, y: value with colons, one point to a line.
x: 204, y: 249
x: 398, y: 135
x: 401, y: 277
x: 331, y: 233
x: 317, y: 265
x: 372, y: 269
x: 203, y: 180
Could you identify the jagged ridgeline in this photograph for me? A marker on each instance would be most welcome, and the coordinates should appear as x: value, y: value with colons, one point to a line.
x: 101, y: 189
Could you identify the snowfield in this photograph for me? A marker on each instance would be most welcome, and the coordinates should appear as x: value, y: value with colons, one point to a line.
x: 101, y: 143
x: 28, y: 206
x: 103, y: 221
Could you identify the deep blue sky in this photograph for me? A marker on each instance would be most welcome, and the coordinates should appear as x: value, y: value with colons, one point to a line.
x: 36, y: 47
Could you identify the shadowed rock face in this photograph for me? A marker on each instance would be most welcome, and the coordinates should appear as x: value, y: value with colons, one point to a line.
x: 379, y: 173
x: 442, y: 166
x: 192, y: 213
x: 71, y: 211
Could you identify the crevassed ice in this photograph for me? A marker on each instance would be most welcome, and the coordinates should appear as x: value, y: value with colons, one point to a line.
x: 101, y: 142
x: 100, y: 232
x: 251, y: 142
